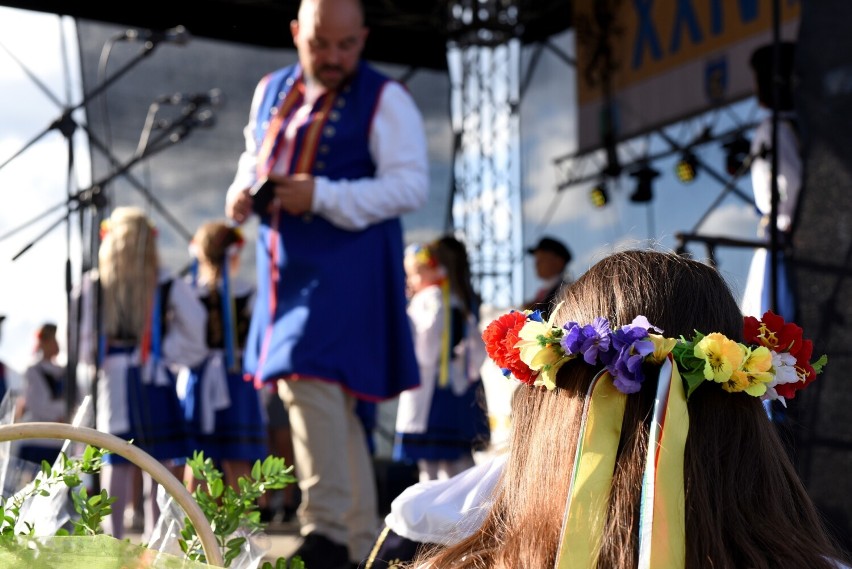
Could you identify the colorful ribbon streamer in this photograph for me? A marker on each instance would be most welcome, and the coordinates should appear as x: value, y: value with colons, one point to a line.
x: 662, y: 525
x: 228, y: 316
x: 662, y: 539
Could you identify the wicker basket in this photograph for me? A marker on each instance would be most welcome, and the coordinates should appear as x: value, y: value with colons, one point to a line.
x: 137, y: 456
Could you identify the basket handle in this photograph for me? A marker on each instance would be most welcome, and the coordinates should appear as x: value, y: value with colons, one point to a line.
x: 119, y: 446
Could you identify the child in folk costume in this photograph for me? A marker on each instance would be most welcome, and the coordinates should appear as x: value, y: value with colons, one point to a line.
x: 148, y: 324
x: 44, y: 396
x: 440, y: 423
x: 223, y: 410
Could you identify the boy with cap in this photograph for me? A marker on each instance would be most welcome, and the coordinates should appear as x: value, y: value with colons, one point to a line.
x: 551, y: 261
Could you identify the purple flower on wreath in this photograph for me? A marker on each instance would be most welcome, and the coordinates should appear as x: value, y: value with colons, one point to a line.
x: 631, y: 344
x: 589, y: 340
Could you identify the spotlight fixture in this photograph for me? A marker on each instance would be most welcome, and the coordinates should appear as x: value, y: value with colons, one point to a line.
x: 737, y: 151
x: 687, y: 167
x: 599, y: 195
x: 644, y: 178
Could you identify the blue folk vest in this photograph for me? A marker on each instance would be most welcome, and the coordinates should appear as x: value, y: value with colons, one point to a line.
x: 331, y: 302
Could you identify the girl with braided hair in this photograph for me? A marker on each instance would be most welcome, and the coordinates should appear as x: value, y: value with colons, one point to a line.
x: 222, y: 407
x: 139, y: 324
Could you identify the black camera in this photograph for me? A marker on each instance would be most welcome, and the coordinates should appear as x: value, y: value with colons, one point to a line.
x: 262, y: 194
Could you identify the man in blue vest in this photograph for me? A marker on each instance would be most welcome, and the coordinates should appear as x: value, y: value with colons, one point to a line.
x: 343, y: 149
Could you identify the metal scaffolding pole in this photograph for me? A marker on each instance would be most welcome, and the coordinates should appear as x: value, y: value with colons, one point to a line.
x: 484, y: 65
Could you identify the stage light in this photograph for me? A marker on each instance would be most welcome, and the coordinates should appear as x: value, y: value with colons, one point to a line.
x: 644, y: 180
x: 599, y: 195
x: 687, y: 167
x: 737, y: 151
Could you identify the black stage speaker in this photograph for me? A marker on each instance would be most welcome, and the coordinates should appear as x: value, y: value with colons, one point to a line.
x: 820, y: 417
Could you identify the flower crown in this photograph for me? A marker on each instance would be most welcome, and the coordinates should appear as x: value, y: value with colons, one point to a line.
x: 233, y: 250
x: 422, y: 255
x: 240, y: 238
x: 108, y: 224
x: 774, y: 364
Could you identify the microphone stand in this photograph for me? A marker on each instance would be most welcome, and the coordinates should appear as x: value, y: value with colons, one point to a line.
x: 64, y: 122
x: 95, y: 195
x: 173, y: 132
x: 121, y: 171
x: 66, y: 125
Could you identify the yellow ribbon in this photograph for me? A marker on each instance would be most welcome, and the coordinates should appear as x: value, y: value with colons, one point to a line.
x: 444, y: 371
x: 588, y: 496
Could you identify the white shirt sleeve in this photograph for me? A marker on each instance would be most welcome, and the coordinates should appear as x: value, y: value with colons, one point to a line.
x: 426, y: 312
x: 246, y: 174
x: 446, y: 511
x: 401, y: 184
x: 84, y: 296
x: 185, y: 343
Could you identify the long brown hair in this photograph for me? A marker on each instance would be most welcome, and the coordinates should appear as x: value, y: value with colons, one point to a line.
x: 745, y: 505
x: 451, y: 254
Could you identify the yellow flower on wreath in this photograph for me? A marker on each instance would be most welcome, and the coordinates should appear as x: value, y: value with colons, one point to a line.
x: 755, y: 373
x: 539, y: 348
x: 721, y: 357
x: 662, y: 348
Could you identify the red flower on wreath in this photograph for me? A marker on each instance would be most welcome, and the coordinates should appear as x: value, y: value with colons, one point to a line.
x: 500, y: 338
x: 780, y: 336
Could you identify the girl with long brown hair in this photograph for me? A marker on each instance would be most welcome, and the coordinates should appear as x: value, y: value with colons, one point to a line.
x: 441, y: 423
x: 736, y: 500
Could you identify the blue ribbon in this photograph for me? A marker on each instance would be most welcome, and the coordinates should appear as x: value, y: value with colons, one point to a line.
x: 227, y: 316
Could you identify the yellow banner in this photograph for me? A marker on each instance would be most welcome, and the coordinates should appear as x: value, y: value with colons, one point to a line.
x: 651, y: 37
x: 669, y: 59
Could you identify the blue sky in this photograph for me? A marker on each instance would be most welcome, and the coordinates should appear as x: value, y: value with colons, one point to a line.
x: 35, y: 184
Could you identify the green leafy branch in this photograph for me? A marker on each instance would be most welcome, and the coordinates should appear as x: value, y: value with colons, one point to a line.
x: 91, y: 509
x: 228, y: 509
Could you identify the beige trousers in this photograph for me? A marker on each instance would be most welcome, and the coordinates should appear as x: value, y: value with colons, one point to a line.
x: 333, y: 465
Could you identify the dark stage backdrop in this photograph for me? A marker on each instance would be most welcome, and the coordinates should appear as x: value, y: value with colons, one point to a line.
x: 822, y: 415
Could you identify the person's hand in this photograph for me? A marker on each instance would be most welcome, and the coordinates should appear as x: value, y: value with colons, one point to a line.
x: 295, y: 194
x: 238, y: 206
